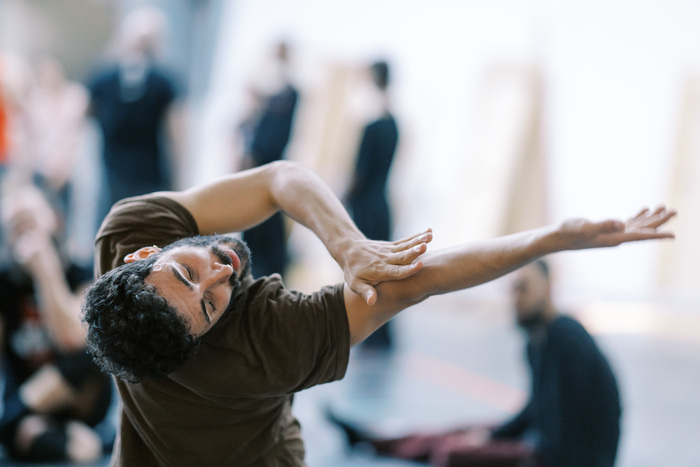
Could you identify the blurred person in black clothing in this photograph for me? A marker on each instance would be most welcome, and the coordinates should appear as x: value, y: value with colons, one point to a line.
x: 55, y: 398
x: 55, y: 119
x: 366, y: 197
x: 135, y: 104
x: 572, y: 417
x: 266, y: 131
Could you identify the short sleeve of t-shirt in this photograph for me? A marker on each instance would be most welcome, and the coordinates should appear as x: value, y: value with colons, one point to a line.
x: 137, y: 222
x: 302, y: 340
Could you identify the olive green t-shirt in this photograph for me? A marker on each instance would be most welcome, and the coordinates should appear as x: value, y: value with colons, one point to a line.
x: 229, y: 405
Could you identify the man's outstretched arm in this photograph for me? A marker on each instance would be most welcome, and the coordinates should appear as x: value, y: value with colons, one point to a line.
x: 471, y: 264
x: 245, y: 199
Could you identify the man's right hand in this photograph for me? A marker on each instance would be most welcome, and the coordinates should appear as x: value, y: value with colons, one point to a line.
x: 578, y: 234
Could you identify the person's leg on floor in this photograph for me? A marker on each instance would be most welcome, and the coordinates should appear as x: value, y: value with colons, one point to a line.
x: 473, y: 449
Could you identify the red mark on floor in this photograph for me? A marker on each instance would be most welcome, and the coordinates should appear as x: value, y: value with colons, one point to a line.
x: 459, y: 380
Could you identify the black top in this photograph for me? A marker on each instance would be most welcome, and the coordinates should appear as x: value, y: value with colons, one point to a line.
x: 131, y: 121
x: 367, y: 199
x: 573, y: 414
x: 374, y: 158
x: 26, y: 342
x: 274, y: 127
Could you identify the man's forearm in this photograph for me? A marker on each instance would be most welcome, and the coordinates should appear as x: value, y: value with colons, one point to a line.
x: 476, y: 263
x: 303, y: 196
x: 472, y: 264
x: 245, y: 199
x: 449, y: 270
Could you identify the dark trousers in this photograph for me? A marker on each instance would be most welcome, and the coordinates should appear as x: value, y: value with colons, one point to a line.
x: 454, y: 449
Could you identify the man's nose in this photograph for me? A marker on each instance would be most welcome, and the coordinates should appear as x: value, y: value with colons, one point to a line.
x: 220, y: 273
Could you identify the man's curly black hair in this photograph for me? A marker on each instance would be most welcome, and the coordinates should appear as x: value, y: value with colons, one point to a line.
x: 132, y: 331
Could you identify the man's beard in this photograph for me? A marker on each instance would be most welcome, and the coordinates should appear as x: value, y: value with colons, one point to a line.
x: 533, y: 320
x: 213, y: 241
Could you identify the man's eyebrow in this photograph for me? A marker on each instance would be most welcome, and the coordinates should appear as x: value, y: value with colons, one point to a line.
x: 179, y: 277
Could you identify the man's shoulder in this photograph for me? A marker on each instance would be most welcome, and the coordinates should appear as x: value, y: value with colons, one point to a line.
x: 149, y: 209
x: 141, y: 221
x: 166, y: 80
x: 568, y: 330
x: 567, y: 322
x: 385, y: 122
x: 267, y: 292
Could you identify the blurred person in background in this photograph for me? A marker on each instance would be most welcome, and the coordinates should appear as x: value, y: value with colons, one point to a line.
x: 16, y: 82
x: 135, y: 104
x: 55, y: 398
x: 55, y: 115
x: 366, y: 196
x: 266, y: 131
x: 4, y: 125
x: 572, y: 417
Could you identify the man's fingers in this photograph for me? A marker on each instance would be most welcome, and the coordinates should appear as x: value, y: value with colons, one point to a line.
x: 645, y: 234
x: 366, y: 291
x: 653, y: 220
x: 371, y: 296
x: 642, y: 212
x: 402, y: 272
x: 411, y: 237
x: 661, y: 216
x: 407, y: 256
x: 409, y: 242
x: 395, y: 272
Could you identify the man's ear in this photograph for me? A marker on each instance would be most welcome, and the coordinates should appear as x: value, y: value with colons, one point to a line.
x: 141, y: 253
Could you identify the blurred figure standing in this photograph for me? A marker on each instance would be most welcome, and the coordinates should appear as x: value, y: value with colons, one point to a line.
x: 266, y: 131
x: 134, y: 104
x: 366, y: 197
x: 16, y: 81
x: 4, y: 126
x: 54, y: 396
x: 55, y: 114
x: 572, y: 417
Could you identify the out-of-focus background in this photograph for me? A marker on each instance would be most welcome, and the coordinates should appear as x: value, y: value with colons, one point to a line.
x: 511, y: 115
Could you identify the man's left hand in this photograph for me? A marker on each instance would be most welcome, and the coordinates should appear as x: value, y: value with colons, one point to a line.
x: 369, y: 262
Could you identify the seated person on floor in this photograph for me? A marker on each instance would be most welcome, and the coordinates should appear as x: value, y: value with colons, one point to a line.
x: 54, y: 395
x: 572, y: 417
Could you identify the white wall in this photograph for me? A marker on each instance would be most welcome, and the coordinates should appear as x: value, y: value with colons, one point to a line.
x: 612, y: 74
